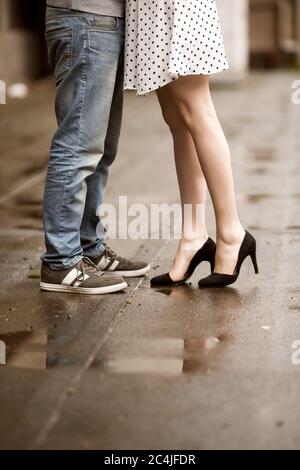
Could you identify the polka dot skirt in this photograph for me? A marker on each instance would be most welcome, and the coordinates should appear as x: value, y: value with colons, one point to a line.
x: 169, y: 38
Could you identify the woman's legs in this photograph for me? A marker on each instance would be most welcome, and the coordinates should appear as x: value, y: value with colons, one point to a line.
x: 192, y: 100
x: 192, y: 185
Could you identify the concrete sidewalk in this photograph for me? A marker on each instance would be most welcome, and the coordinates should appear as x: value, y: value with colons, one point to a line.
x: 167, y: 368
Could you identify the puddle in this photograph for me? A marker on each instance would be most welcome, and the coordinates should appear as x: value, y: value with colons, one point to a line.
x: 161, y: 357
x: 29, y: 350
x: 54, y: 360
x: 169, y: 357
x: 26, y: 349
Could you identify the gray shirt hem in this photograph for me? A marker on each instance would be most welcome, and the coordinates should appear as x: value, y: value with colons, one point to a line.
x: 98, y: 7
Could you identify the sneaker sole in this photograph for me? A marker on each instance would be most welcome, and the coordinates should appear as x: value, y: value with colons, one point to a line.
x: 83, y: 290
x: 137, y: 273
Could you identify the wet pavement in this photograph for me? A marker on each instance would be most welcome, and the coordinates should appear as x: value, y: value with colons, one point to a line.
x: 166, y: 368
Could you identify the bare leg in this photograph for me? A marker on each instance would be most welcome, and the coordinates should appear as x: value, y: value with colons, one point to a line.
x: 192, y: 99
x: 192, y: 185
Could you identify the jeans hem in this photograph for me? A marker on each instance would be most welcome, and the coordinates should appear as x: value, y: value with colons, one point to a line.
x: 96, y: 252
x: 65, y: 266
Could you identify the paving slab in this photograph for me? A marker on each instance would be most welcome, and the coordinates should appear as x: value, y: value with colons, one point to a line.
x: 175, y: 368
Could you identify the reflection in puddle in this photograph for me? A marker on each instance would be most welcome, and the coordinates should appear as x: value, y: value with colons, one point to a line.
x: 183, y: 292
x: 26, y: 350
x: 226, y: 300
x: 29, y: 350
x: 165, y: 290
x: 144, y: 365
x: 169, y: 357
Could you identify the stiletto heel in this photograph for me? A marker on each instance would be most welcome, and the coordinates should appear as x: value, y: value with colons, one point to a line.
x: 206, y: 253
x: 248, y: 248
x: 254, y: 261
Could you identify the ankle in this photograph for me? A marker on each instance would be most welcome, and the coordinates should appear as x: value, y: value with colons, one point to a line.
x: 190, y: 236
x: 192, y: 244
x: 231, y: 236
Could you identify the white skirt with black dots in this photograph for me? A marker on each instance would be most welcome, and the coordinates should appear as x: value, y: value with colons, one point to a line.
x: 169, y: 38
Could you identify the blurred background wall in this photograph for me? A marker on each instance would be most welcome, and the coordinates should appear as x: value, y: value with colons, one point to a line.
x: 22, y: 46
x: 258, y: 34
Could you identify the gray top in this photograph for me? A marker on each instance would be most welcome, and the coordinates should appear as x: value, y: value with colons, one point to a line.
x: 99, y: 7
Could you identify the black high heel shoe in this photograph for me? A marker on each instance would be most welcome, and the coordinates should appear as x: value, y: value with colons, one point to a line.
x: 248, y: 248
x: 206, y: 253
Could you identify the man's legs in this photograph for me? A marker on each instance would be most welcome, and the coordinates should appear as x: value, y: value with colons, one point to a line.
x: 93, y: 233
x: 85, y: 50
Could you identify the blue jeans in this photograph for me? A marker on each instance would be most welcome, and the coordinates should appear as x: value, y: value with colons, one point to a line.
x: 87, y: 53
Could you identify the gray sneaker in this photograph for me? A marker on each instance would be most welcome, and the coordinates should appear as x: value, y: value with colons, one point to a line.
x: 110, y: 262
x: 83, y: 278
